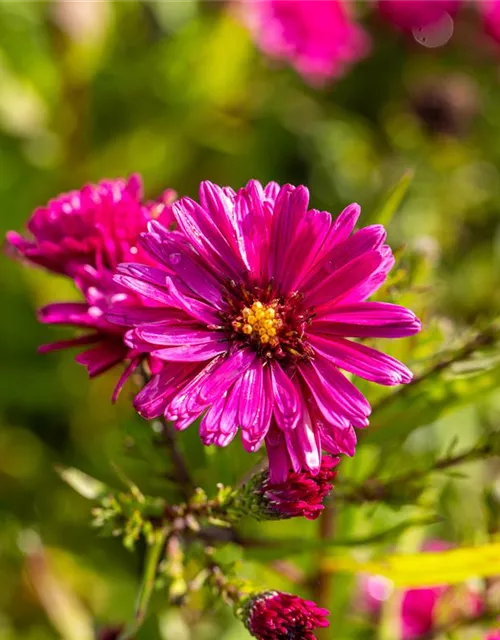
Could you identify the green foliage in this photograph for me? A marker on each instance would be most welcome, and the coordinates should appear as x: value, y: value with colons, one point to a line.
x: 176, y: 91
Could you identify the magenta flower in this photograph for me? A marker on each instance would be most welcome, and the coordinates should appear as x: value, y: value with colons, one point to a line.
x: 418, y: 611
x: 316, y: 36
x: 96, y: 226
x: 494, y: 635
x: 84, y: 235
x: 408, y: 15
x: 255, y: 300
x: 422, y: 610
x: 491, y: 17
x: 273, y: 615
x: 302, y: 494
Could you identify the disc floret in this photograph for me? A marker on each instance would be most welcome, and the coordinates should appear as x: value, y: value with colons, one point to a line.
x: 261, y: 323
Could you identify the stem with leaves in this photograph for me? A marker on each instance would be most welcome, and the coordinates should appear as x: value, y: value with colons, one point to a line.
x: 373, y: 490
x: 181, y: 472
x: 483, y: 339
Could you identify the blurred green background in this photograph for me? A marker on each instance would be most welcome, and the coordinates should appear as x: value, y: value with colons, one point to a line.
x: 178, y: 92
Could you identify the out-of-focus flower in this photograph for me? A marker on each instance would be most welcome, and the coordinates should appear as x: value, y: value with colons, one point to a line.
x: 259, y: 295
x: 316, y: 36
x: 408, y: 15
x: 418, y: 611
x: 274, y: 615
x: 494, y: 635
x: 491, y: 17
x: 84, y: 235
x: 422, y: 610
x: 302, y: 494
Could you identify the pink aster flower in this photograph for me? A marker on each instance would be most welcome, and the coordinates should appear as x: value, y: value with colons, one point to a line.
x: 84, y: 235
x: 316, y: 36
x: 302, y: 494
x: 408, y: 15
x: 97, y: 225
x: 256, y: 298
x: 274, y: 615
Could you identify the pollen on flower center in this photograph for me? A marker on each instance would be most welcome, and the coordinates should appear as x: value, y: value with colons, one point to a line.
x: 260, y: 322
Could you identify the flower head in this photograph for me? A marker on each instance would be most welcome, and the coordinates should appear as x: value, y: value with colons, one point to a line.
x: 255, y: 298
x: 84, y: 235
x: 302, y: 494
x: 316, y: 36
x: 274, y: 615
x: 97, y: 225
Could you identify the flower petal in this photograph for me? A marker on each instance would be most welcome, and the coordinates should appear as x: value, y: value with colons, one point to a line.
x: 334, y: 394
x: 154, y: 397
x: 290, y: 207
x: 367, y: 319
x: 182, y: 261
x: 202, y: 232
x: 362, y: 361
x: 229, y: 370
x: 102, y: 357
x: 177, y: 335
x: 349, y: 279
x: 255, y: 407
x: 72, y: 313
x: 192, y: 352
x: 286, y: 400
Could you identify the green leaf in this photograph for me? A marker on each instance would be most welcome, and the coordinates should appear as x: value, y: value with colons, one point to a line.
x: 393, y: 200
x: 82, y: 483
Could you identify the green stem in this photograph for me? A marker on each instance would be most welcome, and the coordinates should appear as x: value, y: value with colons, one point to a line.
x: 376, y: 491
x: 147, y: 586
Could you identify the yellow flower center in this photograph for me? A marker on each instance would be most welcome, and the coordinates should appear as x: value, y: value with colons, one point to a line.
x: 260, y: 322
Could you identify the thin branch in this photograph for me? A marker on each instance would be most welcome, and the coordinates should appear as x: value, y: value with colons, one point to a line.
x: 181, y: 471
x: 147, y: 586
x: 484, y: 339
x: 322, y: 581
x: 373, y: 490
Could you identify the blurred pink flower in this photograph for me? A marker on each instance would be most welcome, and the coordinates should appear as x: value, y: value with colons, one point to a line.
x: 422, y: 609
x: 317, y: 37
x: 413, y: 14
x: 491, y: 17
x: 257, y: 294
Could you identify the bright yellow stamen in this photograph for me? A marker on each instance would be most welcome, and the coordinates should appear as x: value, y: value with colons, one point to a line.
x: 260, y: 321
